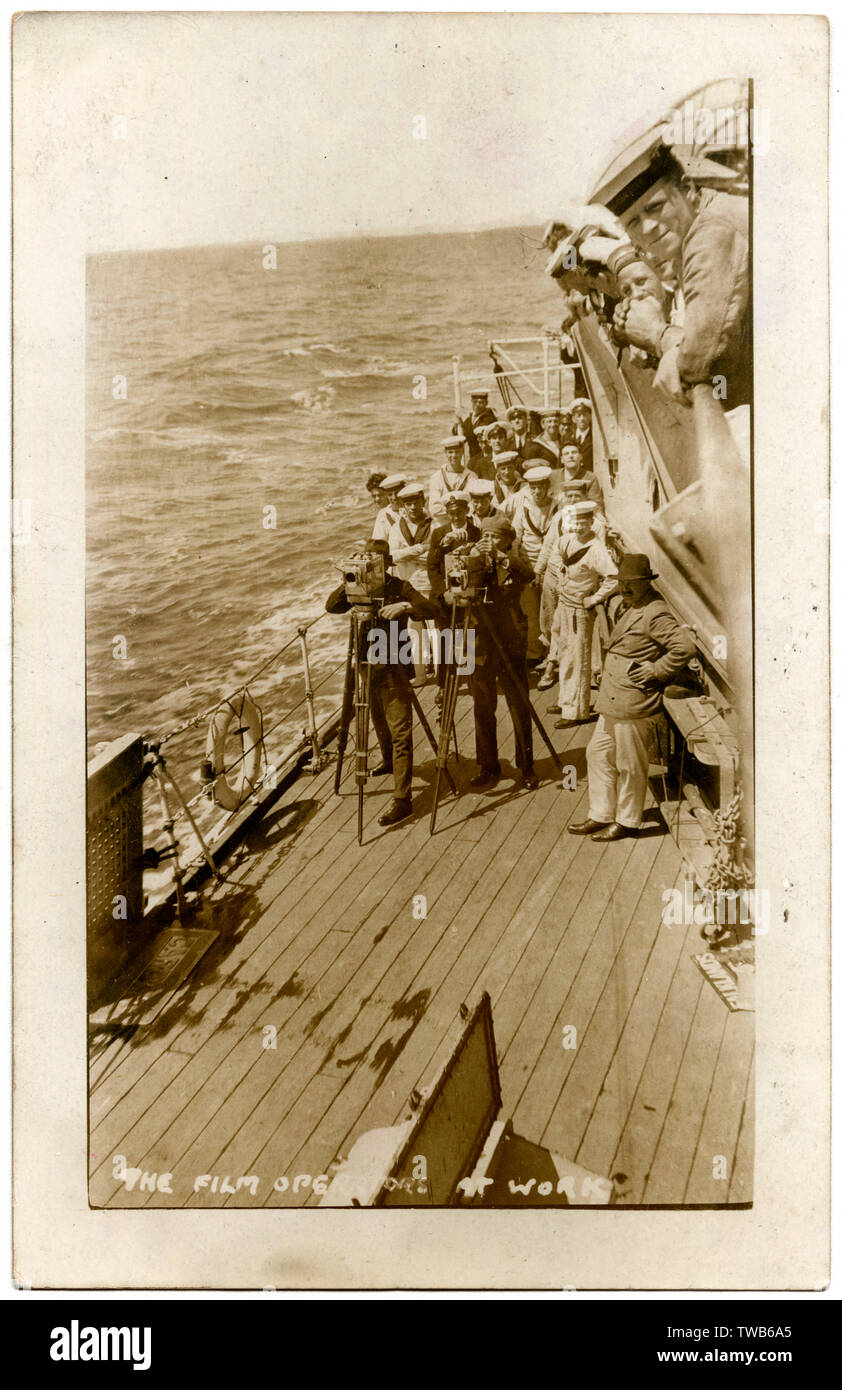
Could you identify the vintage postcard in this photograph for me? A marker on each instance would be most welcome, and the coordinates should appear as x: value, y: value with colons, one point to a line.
x: 421, y: 665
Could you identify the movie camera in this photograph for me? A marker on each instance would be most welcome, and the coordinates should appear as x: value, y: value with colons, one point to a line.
x: 364, y: 575
x: 470, y: 569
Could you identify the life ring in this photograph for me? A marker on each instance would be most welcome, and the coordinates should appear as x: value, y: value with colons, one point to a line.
x: 249, y: 725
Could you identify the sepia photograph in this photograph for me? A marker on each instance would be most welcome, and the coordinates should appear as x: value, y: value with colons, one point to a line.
x: 421, y: 523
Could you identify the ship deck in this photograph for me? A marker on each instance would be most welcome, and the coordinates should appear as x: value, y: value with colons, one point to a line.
x: 323, y: 941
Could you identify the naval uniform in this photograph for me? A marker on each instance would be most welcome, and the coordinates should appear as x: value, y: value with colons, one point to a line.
x: 383, y: 523
x: 618, y: 753
x: 406, y: 540
x: 587, y: 570
x: 531, y: 525
x: 391, y: 703
x: 442, y: 484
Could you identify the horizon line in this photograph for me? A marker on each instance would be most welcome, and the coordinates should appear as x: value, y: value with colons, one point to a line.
x: 378, y: 234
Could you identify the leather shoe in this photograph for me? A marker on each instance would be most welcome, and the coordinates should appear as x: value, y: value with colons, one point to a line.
x: 484, y: 778
x: 398, y: 811
x: 586, y: 827
x: 615, y: 832
x: 382, y: 771
x: 530, y: 781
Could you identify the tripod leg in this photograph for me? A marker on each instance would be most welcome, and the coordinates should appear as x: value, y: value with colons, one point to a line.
x: 363, y: 709
x: 448, y: 711
x: 518, y: 685
x: 347, y: 704
x: 422, y: 719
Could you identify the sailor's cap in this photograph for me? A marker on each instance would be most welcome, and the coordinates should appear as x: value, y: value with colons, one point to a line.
x: 453, y: 441
x: 480, y: 487
x: 582, y: 508
x: 549, y: 411
x: 624, y: 254
x: 496, y: 427
x: 411, y: 490
x: 479, y: 395
x: 453, y: 497
x: 394, y: 482
x: 507, y: 456
x: 514, y: 410
x: 538, y: 474
x: 581, y: 403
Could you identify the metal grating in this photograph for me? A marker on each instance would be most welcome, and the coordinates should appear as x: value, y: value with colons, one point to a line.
x: 114, y: 851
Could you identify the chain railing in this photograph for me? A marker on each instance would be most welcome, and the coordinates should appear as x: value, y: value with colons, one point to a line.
x: 299, y: 678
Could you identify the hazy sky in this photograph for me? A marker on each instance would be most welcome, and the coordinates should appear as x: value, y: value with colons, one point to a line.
x: 284, y: 127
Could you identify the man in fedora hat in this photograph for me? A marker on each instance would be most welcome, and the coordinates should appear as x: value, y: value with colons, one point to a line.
x: 646, y: 649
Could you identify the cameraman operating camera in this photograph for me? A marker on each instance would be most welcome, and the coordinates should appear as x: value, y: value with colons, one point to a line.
x: 499, y: 603
x: 391, y: 703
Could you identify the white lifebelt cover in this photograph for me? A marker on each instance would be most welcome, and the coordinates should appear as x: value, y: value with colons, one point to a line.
x: 245, y: 766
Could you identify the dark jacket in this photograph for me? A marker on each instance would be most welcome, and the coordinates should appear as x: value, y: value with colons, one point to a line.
x: 646, y: 631
x: 501, y: 611
x: 396, y: 591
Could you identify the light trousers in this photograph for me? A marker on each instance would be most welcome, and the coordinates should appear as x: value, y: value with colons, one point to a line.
x: 618, y: 770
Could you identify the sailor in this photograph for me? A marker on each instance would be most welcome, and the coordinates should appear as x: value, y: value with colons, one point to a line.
x: 548, y: 570
x: 459, y: 529
x: 498, y: 438
x: 409, y: 542
x: 452, y: 477
x: 507, y: 480
x: 390, y: 511
x: 587, y: 575
x: 518, y: 419
x: 547, y: 446
x: 531, y: 513
x: 646, y: 649
x: 573, y: 470
x: 373, y: 486
x: 501, y: 612
x: 580, y: 434
x: 481, y: 493
x: 481, y: 415
x: 678, y: 209
x: 391, y: 704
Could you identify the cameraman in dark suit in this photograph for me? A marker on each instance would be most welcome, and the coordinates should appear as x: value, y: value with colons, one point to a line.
x: 391, y: 703
x: 505, y: 577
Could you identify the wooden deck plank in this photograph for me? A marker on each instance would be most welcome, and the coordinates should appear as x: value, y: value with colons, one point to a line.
x: 605, y: 1124
x: 650, y: 1105
x: 673, y: 1157
x: 721, y: 1123
x: 741, y: 1188
x: 533, y: 1084
x: 600, y: 997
